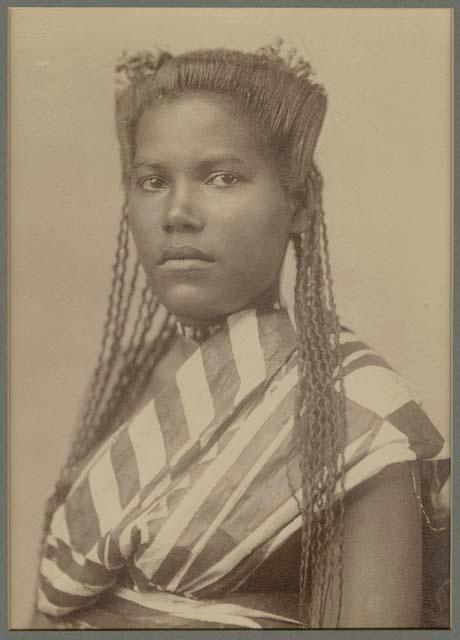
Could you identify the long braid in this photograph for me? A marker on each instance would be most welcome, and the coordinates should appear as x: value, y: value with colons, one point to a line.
x: 99, y: 372
x: 319, y: 413
x: 137, y: 363
x: 68, y: 471
x: 126, y: 371
x: 146, y: 363
x: 115, y: 305
x: 338, y: 434
x: 100, y: 418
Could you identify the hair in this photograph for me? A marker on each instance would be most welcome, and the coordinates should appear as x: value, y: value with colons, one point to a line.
x: 276, y: 91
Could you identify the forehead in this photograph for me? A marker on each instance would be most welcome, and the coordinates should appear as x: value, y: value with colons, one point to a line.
x: 194, y: 125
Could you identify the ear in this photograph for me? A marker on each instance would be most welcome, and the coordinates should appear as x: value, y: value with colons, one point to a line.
x: 288, y: 278
x: 299, y: 217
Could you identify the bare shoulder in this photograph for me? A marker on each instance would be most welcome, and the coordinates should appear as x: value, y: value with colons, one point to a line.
x: 395, y: 481
x: 382, y: 552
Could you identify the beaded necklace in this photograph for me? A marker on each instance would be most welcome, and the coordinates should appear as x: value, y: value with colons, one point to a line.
x: 201, y: 332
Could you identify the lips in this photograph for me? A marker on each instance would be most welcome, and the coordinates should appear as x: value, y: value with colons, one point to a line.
x: 183, y: 252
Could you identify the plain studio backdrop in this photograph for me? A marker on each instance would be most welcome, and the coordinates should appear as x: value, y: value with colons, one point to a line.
x: 384, y: 153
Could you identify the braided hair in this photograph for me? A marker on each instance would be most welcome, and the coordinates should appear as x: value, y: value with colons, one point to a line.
x: 275, y: 90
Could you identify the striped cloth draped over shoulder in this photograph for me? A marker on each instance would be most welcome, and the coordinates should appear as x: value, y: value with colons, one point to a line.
x: 191, y: 495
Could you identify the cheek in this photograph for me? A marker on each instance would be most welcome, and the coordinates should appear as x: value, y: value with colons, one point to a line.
x: 144, y: 234
x: 266, y: 227
x: 259, y: 244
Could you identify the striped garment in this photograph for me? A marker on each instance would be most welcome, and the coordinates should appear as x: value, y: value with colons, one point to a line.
x: 184, y: 501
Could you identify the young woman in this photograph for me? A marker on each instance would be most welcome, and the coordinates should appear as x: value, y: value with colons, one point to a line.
x: 243, y: 460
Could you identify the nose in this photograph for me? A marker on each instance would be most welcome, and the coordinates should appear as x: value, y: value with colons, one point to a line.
x: 182, y: 211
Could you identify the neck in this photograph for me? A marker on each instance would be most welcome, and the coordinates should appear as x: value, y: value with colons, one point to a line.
x: 268, y: 299
x: 202, y: 330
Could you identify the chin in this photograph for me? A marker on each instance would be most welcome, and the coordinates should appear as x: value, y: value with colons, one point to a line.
x: 194, y: 304
x: 193, y: 308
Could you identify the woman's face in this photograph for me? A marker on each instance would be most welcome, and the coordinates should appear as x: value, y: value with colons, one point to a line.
x: 208, y: 214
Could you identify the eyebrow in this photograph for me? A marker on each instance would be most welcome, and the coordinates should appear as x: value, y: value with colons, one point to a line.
x: 149, y: 164
x: 203, y: 163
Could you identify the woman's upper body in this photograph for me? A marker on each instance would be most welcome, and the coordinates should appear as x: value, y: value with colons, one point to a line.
x: 201, y: 513
x: 262, y: 429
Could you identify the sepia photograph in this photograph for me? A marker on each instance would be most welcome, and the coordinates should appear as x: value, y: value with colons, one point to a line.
x: 230, y: 236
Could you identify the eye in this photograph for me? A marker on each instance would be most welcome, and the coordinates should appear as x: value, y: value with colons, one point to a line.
x: 152, y: 184
x: 224, y: 179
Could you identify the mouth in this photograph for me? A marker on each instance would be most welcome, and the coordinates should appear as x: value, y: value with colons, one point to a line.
x: 185, y: 254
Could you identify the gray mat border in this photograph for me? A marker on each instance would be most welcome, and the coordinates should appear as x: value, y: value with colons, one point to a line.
x: 214, y: 634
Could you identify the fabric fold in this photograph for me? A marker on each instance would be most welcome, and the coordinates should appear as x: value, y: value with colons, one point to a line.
x: 191, y: 494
